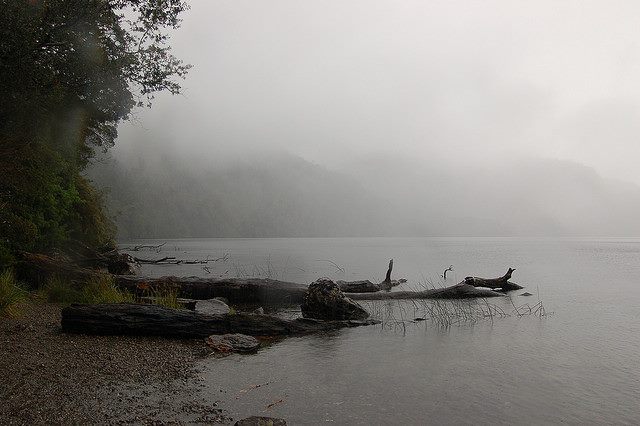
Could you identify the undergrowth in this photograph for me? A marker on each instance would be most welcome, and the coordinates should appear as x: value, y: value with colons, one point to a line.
x: 103, y: 289
x: 12, y: 295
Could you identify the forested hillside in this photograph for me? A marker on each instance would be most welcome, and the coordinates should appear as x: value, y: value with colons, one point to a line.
x: 286, y: 196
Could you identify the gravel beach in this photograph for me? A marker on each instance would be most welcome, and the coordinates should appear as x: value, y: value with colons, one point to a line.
x: 54, y: 378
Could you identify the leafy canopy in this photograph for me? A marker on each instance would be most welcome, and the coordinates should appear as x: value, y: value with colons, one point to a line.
x: 71, y: 70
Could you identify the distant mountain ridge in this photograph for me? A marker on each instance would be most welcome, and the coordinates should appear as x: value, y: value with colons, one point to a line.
x: 286, y: 196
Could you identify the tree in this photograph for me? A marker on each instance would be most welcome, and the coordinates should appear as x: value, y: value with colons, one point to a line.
x: 71, y: 70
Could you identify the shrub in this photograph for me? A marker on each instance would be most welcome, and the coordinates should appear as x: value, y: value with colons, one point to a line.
x: 103, y: 290
x: 100, y: 289
x: 11, y: 294
x: 58, y: 290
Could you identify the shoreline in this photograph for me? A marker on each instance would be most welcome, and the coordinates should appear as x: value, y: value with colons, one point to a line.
x: 52, y: 377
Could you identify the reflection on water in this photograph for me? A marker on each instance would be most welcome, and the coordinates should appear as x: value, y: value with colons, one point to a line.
x: 576, y: 366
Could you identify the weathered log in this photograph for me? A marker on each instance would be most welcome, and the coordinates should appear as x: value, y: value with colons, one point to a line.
x: 502, y: 282
x: 36, y: 268
x: 262, y: 291
x: 364, y: 286
x: 153, y: 320
x: 387, y: 284
x: 259, y: 291
x: 458, y: 291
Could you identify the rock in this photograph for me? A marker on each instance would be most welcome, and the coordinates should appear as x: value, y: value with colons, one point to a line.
x: 324, y: 300
x: 233, y: 343
x: 211, y: 307
x: 260, y: 421
x: 526, y: 293
x: 259, y: 311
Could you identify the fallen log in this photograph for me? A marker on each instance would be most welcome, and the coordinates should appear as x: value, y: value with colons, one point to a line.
x: 262, y: 291
x: 153, y: 320
x: 366, y: 286
x: 363, y: 286
x: 502, y: 282
x: 458, y: 291
x: 464, y: 290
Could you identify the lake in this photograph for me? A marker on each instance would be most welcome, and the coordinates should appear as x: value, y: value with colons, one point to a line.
x: 576, y: 365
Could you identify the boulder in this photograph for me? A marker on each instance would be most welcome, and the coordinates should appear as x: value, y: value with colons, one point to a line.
x: 260, y: 421
x: 233, y: 343
x: 324, y: 300
x: 211, y: 307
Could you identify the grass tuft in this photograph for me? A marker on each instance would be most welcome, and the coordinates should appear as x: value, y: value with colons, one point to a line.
x: 101, y: 289
x: 58, y: 290
x: 12, y: 294
x: 168, y: 297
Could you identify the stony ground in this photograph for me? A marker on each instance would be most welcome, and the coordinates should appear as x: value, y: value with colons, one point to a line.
x: 48, y: 377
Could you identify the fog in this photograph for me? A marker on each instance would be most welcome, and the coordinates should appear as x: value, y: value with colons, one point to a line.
x: 387, y: 118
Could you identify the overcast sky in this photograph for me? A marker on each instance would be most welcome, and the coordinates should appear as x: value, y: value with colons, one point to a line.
x: 448, y: 81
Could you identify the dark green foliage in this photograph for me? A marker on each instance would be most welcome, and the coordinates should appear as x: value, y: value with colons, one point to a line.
x: 71, y: 70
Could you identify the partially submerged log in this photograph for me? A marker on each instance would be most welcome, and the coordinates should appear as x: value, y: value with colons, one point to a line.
x: 363, y: 286
x: 458, y: 291
x: 463, y: 290
x: 260, y: 291
x: 153, y: 320
x: 387, y: 284
x: 502, y: 282
x: 366, y: 286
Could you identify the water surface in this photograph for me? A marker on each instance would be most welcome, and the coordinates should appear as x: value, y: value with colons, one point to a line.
x: 576, y: 366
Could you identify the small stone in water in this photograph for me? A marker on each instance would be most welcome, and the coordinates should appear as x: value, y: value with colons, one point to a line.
x: 233, y: 343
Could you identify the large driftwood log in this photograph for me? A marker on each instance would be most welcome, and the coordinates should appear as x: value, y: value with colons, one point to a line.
x: 363, y: 286
x: 263, y: 291
x: 458, y: 291
x: 237, y: 290
x: 153, y: 320
x: 366, y: 286
x: 464, y: 290
x: 502, y: 282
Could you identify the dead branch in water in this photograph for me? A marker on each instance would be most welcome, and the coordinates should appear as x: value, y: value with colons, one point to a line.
x: 145, y: 246
x: 174, y: 261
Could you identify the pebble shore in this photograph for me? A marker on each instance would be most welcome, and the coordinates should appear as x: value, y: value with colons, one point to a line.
x: 49, y: 377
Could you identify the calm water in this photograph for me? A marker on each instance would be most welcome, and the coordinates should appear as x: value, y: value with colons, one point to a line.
x: 580, y: 365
